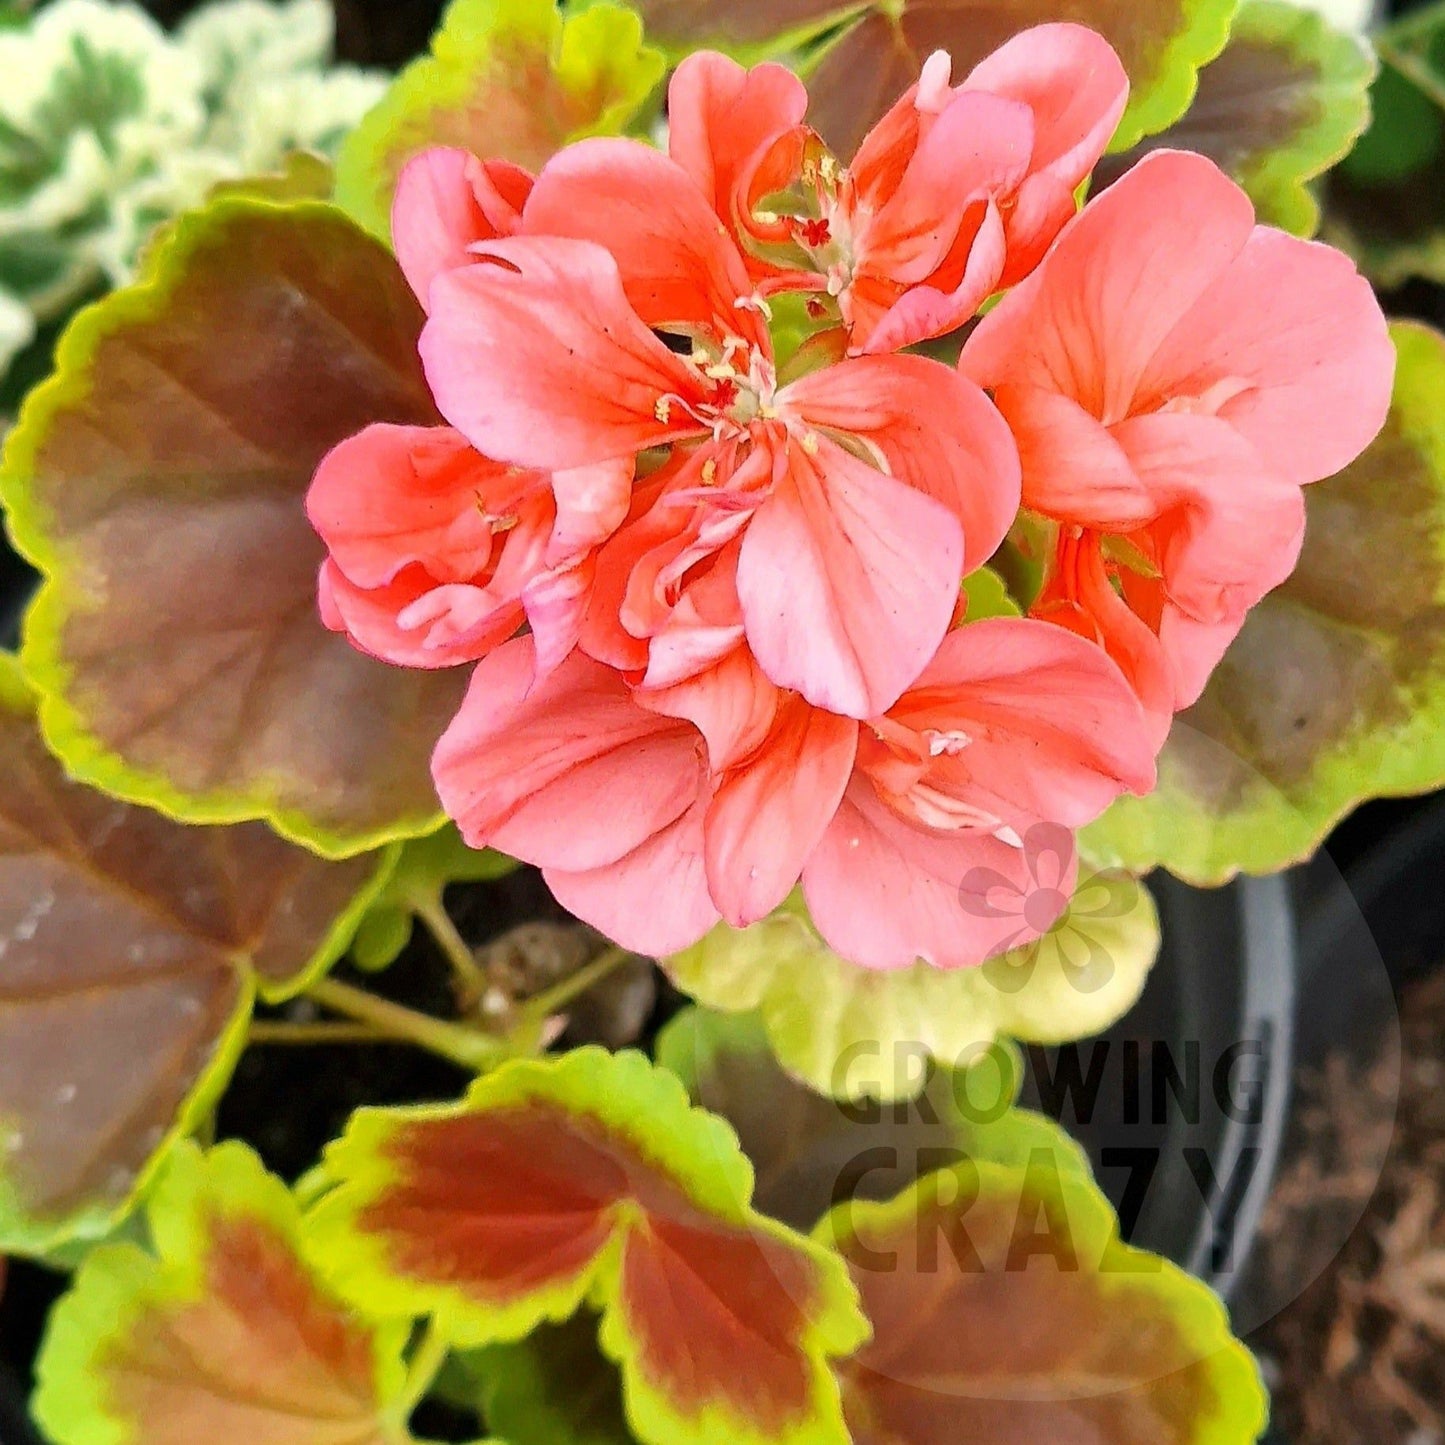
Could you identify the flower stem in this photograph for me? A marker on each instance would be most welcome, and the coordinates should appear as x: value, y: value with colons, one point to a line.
x: 266, y: 1031
x: 467, y: 1047
x: 421, y: 1372
x: 542, y: 1006
x: 438, y: 922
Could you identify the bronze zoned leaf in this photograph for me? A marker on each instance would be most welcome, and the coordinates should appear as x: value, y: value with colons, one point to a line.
x: 130, y: 950
x: 158, y: 482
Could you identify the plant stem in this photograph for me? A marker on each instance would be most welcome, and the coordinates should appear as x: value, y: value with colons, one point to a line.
x: 438, y: 922
x: 542, y: 1006
x: 266, y: 1031
x: 311, y: 1186
x: 421, y: 1372
x: 467, y: 1047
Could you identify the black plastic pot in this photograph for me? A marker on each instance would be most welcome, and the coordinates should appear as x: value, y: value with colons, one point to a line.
x: 1366, y: 929
x: 1182, y: 1104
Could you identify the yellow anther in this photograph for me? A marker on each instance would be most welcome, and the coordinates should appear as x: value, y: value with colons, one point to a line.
x: 830, y: 169
x: 663, y: 409
x: 709, y: 471
x: 768, y: 218
x: 810, y: 443
x: 504, y: 524
x: 721, y: 371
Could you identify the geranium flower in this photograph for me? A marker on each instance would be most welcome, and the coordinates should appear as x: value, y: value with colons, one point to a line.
x: 1174, y: 374
x: 437, y: 553
x: 857, y: 495
x: 740, y: 562
x: 652, y: 830
x: 955, y: 193
x: 446, y: 200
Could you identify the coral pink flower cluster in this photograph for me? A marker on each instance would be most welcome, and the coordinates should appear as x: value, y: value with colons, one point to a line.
x: 703, y: 525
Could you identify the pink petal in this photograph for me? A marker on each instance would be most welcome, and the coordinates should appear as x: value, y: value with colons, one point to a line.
x: 705, y: 625
x: 1052, y: 727
x: 603, y: 635
x: 459, y: 623
x: 536, y: 357
x: 943, y: 303
x: 556, y: 603
x: 848, y: 580
x: 721, y: 118
x: 1078, y: 595
x: 1234, y: 529
x: 678, y: 266
x: 730, y: 702
x: 569, y: 773
x: 976, y: 150
x: 702, y: 534
x: 1294, y: 340
x: 1073, y: 469
x: 1075, y: 85
x: 592, y: 503
x: 769, y: 814
x: 935, y: 430
x: 979, y: 147
x: 393, y: 495
x: 1076, y: 89
x: 653, y: 900
x: 447, y: 200
x: 885, y: 893
x: 884, y: 153
x: 669, y: 576
x: 1193, y: 649
x: 1040, y: 209
x: 1090, y: 319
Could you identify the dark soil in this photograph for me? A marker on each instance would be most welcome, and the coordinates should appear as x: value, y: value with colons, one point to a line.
x: 1361, y: 1355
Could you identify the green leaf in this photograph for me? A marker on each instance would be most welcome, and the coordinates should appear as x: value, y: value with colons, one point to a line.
x: 506, y: 78
x: 158, y: 482
x: 988, y: 596
x: 1406, y: 131
x: 131, y: 949
x: 869, y: 63
x: 854, y: 1032
x: 556, y: 1387
x: 1285, y: 101
x: 809, y: 1150
x: 1395, y: 233
x: 221, y: 1333
x: 426, y: 868
x: 1334, y: 692
x: 588, y: 1178
x: 1387, y: 202
x: 1415, y: 46
x: 298, y: 176
x: 1005, y: 1306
